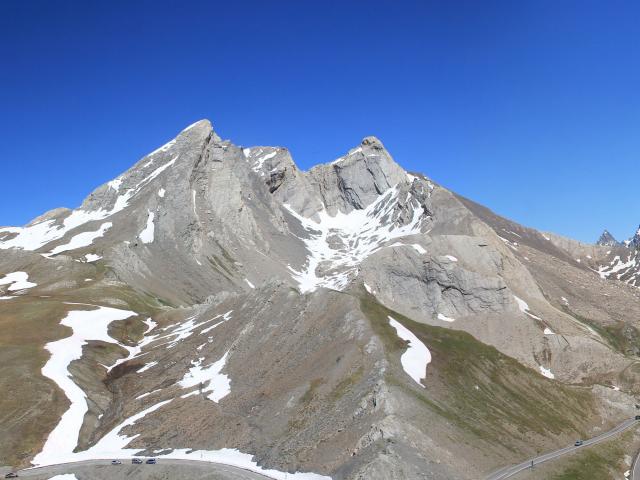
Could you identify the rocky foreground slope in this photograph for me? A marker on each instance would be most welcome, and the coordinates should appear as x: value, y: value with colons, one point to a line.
x: 354, y: 321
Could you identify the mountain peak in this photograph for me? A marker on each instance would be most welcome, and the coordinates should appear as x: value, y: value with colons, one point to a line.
x: 200, y: 124
x: 202, y: 127
x: 635, y: 240
x: 607, y: 240
x: 373, y: 142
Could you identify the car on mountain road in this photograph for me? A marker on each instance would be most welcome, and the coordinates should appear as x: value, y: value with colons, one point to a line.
x: 578, y: 443
x: 116, y: 462
x: 136, y: 461
x: 151, y: 461
x: 11, y: 475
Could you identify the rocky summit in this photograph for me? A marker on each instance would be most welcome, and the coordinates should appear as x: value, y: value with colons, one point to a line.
x: 216, y: 305
x: 607, y: 240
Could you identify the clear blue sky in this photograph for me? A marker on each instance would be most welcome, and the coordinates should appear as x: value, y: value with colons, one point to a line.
x: 529, y: 107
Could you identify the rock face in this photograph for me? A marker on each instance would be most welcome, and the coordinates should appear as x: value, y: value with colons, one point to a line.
x: 634, y: 241
x: 607, y: 240
x: 261, y: 299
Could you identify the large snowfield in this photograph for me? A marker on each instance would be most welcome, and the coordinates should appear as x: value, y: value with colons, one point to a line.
x: 361, y: 233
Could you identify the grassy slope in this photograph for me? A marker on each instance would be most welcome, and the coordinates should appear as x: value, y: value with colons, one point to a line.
x: 34, y: 405
x: 603, y: 461
x: 482, y: 391
x: 597, y: 463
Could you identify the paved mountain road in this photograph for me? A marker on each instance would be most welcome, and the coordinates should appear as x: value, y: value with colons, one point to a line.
x: 165, y: 469
x: 635, y: 469
x: 508, y: 472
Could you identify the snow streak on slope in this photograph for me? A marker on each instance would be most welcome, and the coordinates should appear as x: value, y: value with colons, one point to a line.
x: 179, y: 332
x: 345, y: 240
x: 86, y: 325
x: 417, y: 357
x: 624, y: 270
x: 83, y: 239
x: 225, y: 318
x: 524, y: 308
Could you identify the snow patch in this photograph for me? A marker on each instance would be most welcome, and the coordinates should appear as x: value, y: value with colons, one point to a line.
x: 452, y: 258
x: 548, y: 331
x: 209, y: 379
x: 147, y: 235
x: 150, y: 325
x: 17, y: 281
x: 161, y: 193
x: 445, y: 318
x: 417, y: 356
x: 257, y: 164
x: 115, y: 184
x: 546, y: 372
x: 249, y: 283
x: 92, y: 257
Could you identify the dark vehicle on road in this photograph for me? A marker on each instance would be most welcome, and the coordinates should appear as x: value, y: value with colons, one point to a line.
x: 637, y: 417
x: 11, y: 475
x: 151, y: 461
x: 116, y: 462
x: 136, y: 461
x: 578, y: 443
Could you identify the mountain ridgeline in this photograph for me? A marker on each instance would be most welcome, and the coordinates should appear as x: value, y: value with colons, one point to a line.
x: 353, y: 321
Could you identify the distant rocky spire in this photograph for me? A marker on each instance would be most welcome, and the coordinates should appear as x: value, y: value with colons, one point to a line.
x: 608, y: 240
x: 635, y: 240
